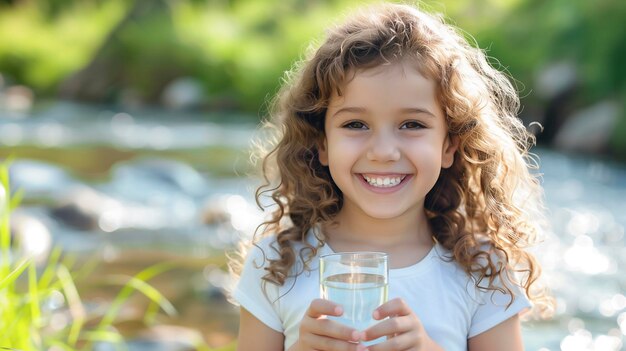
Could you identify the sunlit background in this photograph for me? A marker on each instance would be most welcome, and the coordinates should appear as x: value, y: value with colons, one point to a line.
x: 128, y: 125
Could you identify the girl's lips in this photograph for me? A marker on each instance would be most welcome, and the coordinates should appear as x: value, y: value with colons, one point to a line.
x: 384, y: 182
x: 384, y: 174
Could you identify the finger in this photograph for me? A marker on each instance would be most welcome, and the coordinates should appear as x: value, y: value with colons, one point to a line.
x: 395, y: 307
x: 321, y: 307
x: 334, y: 329
x: 390, y: 327
x: 321, y: 343
x: 401, y: 342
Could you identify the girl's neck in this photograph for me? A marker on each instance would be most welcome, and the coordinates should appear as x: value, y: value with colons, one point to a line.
x: 358, y: 233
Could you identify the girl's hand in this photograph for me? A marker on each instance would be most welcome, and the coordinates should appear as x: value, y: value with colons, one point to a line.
x: 403, y: 329
x: 320, y: 333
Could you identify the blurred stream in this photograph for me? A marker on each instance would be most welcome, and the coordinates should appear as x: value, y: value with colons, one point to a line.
x: 132, y: 189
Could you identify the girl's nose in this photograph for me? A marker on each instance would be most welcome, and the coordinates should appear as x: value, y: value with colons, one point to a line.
x: 383, y: 147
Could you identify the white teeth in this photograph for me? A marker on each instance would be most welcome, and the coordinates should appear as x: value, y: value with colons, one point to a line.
x: 383, y: 182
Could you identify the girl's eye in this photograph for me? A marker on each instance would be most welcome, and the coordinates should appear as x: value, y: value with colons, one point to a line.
x: 355, y: 125
x: 412, y: 125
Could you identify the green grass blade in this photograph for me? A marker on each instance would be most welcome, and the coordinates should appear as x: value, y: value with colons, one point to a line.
x: 10, y: 330
x: 230, y: 347
x: 106, y: 336
x: 151, y: 313
x: 127, y: 290
x: 34, y: 304
x: 34, y: 293
x: 15, y: 273
x: 60, y: 345
x: 5, y: 233
x: 149, y: 291
x: 132, y: 284
x: 16, y: 199
x: 75, y: 305
x: 50, y: 271
x: 86, y: 268
x: 69, y: 261
x: 154, y: 270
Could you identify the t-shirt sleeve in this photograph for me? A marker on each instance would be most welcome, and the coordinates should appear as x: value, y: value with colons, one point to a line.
x: 492, y: 308
x: 254, y: 294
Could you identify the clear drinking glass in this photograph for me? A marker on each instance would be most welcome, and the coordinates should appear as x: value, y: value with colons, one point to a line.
x: 358, y: 281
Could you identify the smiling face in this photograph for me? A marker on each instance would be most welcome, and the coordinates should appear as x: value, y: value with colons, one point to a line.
x: 386, y: 142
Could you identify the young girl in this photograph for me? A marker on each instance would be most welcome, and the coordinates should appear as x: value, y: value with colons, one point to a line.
x: 397, y: 136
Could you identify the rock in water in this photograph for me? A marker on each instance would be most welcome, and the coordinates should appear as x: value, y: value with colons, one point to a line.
x: 589, y: 130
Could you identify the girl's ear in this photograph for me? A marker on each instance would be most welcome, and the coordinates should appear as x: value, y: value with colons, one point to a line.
x: 450, y: 146
x: 322, y: 152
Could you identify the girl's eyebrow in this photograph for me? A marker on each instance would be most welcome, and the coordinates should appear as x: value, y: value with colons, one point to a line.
x: 349, y: 110
x: 416, y: 110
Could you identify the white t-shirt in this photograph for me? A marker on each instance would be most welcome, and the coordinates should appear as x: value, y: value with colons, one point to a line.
x: 440, y: 293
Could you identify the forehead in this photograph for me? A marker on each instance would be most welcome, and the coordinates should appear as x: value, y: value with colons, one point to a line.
x: 389, y: 84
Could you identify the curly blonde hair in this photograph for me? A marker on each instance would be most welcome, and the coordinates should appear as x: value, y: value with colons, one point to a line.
x: 486, y: 208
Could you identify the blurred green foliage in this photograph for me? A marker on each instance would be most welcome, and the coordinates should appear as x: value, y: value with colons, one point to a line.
x: 42, y: 44
x: 239, y: 49
x: 590, y: 34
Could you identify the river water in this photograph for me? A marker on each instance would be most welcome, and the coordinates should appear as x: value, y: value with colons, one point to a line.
x: 132, y: 189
